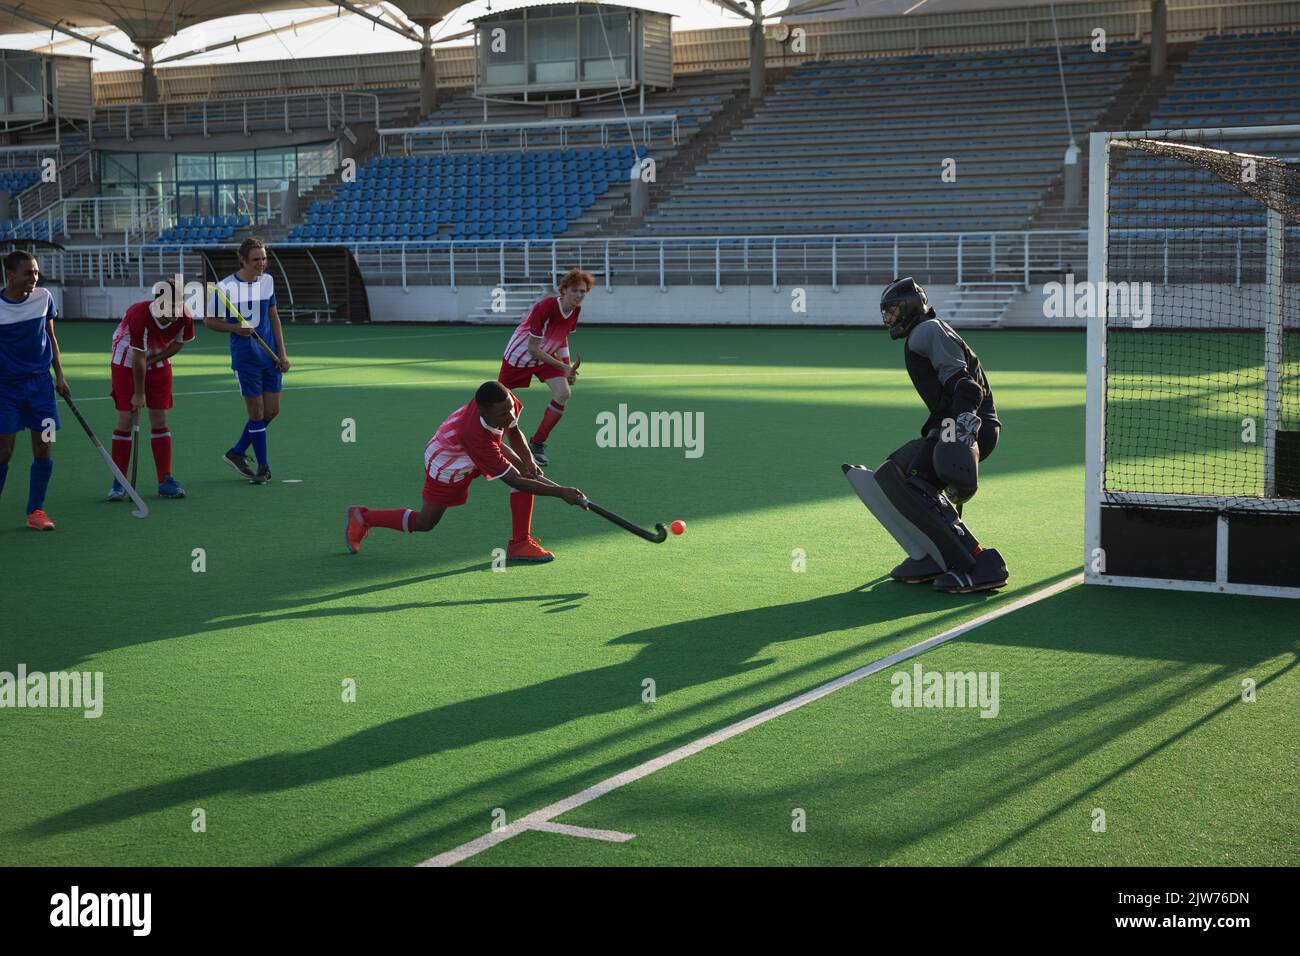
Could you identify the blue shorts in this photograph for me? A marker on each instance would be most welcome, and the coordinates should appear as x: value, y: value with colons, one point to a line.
x: 27, y: 403
x: 254, y: 381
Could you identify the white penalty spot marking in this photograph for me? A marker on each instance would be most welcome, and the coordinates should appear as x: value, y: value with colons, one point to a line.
x: 542, y: 819
x: 291, y: 481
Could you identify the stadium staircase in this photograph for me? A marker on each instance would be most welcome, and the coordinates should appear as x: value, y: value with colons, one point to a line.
x: 519, y: 298
x: 672, y: 170
x: 1133, y: 107
x: 74, y: 174
x: 978, y: 304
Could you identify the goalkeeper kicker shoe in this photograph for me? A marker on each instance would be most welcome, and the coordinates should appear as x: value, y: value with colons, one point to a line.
x: 989, y: 574
x: 917, y: 570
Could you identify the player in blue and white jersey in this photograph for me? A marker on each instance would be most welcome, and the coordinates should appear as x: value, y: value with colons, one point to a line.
x: 28, y: 351
x: 252, y: 292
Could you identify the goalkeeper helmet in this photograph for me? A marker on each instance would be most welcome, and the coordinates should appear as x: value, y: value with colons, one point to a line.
x: 902, y: 305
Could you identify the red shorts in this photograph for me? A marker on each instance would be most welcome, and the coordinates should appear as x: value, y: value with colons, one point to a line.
x: 157, y: 387
x: 444, y: 495
x: 513, y: 377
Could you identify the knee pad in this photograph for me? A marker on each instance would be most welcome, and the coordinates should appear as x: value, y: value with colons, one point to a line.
x: 957, y: 467
x: 931, y: 515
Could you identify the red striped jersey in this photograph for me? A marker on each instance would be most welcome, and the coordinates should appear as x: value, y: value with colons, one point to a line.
x: 465, y: 447
x: 550, y: 324
x: 139, y: 330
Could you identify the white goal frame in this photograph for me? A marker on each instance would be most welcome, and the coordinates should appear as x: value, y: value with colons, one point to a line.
x: 1095, y: 425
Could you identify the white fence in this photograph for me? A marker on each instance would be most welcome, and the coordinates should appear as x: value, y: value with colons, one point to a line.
x: 716, y: 261
x: 238, y: 114
x: 551, y: 132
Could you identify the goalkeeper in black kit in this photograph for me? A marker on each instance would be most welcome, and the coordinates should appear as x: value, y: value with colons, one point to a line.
x: 917, y: 493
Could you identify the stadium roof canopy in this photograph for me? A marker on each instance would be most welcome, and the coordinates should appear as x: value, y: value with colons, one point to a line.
x: 149, y: 22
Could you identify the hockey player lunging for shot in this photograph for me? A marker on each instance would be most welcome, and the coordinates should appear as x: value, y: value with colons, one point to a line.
x: 918, y: 491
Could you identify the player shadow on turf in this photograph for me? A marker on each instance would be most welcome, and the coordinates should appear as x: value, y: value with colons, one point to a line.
x: 679, y: 656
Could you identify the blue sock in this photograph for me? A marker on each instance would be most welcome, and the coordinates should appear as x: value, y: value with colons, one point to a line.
x: 40, y: 480
x: 4, y: 470
x: 241, y: 446
x: 257, y: 435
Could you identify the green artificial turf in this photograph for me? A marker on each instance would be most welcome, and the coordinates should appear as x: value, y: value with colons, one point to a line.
x: 483, y: 694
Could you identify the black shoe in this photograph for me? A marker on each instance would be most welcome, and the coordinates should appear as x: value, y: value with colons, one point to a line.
x: 262, y: 477
x: 238, y: 462
x: 989, y: 574
x: 917, y: 570
x: 538, y: 448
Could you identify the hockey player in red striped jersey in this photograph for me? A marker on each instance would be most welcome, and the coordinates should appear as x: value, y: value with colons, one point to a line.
x: 148, y: 336
x: 481, y: 437
x: 540, y: 347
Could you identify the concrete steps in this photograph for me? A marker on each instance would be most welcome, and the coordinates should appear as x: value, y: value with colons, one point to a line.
x: 980, y: 304
x: 517, y: 299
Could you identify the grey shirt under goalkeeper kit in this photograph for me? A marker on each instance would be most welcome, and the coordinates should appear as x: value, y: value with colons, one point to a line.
x: 947, y: 374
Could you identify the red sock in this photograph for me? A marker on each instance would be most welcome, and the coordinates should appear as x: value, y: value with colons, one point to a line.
x: 162, y: 452
x: 399, y: 519
x: 549, y: 421
x: 521, y: 516
x: 122, y: 450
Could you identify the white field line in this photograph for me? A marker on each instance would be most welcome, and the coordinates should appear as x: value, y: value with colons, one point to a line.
x: 367, y: 338
x: 564, y: 829
x: 547, y: 814
x: 808, y: 373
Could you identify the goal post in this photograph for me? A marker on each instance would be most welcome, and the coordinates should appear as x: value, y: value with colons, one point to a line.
x: 1193, y: 377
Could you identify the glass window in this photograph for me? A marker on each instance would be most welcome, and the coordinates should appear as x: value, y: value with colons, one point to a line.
x: 118, y: 168
x: 235, y: 165
x: 270, y: 163
x: 553, y: 50
x: 157, y: 169
x: 194, y: 166
x: 503, y: 58
x: 600, y: 47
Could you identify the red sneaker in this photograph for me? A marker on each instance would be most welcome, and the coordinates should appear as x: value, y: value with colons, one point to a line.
x: 355, y: 528
x: 528, y: 551
x: 38, y: 520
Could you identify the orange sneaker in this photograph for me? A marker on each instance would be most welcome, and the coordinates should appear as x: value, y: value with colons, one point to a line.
x: 529, y: 551
x: 355, y: 529
x: 38, y: 520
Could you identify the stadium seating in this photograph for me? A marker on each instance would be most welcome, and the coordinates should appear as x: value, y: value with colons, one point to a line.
x: 1228, y: 81
x: 24, y: 229
x: 851, y: 146
x: 14, y: 181
x: 485, y: 187
x: 200, y: 230
x: 487, y: 196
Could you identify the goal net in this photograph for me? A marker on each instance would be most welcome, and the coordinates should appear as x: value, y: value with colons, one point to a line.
x: 1194, y: 359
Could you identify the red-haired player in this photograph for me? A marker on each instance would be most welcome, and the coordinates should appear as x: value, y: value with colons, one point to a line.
x: 540, y: 346
x: 466, y: 445
x: 145, y: 340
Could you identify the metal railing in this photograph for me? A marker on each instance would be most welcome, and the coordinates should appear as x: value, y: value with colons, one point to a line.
x: 68, y: 178
x: 422, y: 138
x: 286, y: 112
x: 716, y: 261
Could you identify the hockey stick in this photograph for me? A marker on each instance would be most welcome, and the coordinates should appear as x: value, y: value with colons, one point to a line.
x: 232, y: 311
x: 658, y: 536
x: 141, y: 509
x: 135, y: 446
